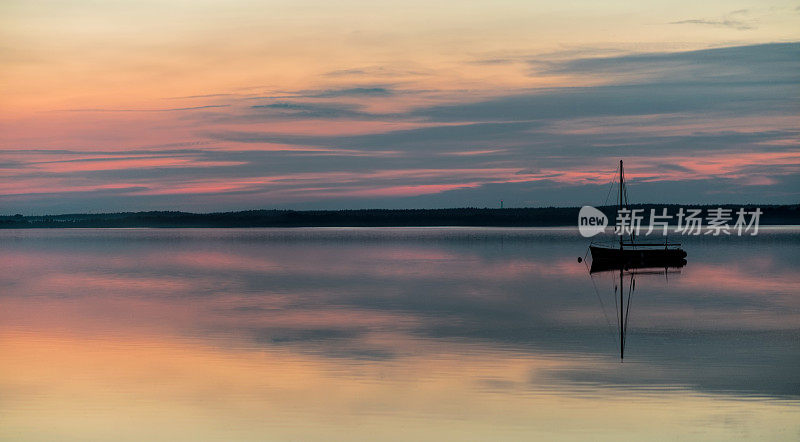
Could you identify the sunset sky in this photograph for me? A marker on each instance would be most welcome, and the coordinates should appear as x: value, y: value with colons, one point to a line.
x: 224, y: 105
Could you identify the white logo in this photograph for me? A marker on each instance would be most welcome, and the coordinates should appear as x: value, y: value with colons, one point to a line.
x: 687, y: 221
x: 591, y: 221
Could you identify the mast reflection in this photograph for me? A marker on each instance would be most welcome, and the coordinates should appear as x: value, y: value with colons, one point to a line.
x: 624, y: 278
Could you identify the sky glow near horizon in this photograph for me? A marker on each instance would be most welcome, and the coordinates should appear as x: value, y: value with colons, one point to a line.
x: 211, y: 105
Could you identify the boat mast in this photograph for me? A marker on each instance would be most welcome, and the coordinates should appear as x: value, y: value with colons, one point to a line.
x: 623, y: 203
x: 621, y: 186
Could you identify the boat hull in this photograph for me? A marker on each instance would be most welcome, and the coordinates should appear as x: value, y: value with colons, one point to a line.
x: 606, y: 258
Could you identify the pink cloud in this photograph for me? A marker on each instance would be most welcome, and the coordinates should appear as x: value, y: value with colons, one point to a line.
x: 121, y: 164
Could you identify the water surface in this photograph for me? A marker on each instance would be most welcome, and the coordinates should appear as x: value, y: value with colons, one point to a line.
x: 391, y: 334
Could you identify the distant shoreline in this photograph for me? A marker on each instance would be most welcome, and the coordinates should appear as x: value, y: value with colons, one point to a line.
x: 456, y: 217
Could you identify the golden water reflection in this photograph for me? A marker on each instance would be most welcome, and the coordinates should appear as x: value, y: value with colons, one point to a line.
x: 138, y: 388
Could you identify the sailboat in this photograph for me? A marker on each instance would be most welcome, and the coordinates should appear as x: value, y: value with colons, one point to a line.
x: 632, y: 254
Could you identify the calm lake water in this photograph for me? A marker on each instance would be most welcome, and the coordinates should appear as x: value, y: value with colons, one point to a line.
x: 391, y: 334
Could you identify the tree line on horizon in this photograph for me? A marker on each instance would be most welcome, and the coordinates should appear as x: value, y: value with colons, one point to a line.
x: 467, y: 216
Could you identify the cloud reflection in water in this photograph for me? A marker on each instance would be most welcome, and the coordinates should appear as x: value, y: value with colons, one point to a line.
x: 363, y: 330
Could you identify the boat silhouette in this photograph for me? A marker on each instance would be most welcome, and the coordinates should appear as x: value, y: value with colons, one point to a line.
x: 629, y: 253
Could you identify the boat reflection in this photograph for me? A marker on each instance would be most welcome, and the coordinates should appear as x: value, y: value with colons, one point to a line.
x: 624, y: 283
